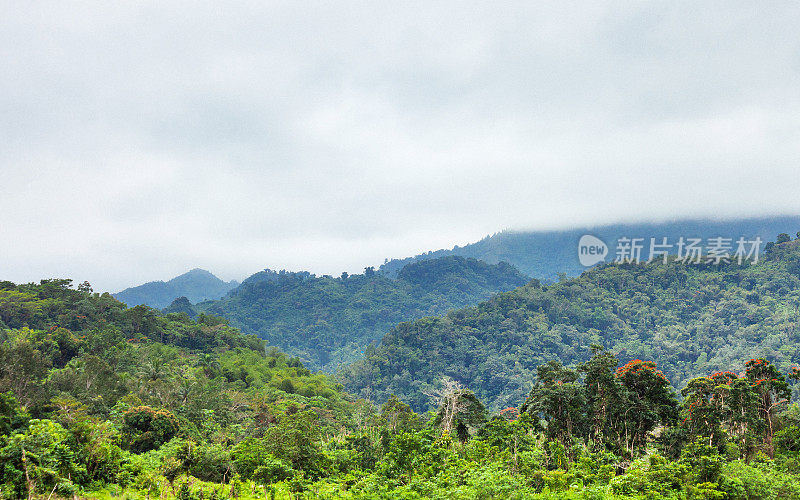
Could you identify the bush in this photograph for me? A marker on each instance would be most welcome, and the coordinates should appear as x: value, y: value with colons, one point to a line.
x: 147, y: 429
x: 208, y: 462
x: 651, y: 475
x: 272, y: 470
x: 43, y: 455
x: 757, y: 481
x: 703, y: 460
x: 248, y: 455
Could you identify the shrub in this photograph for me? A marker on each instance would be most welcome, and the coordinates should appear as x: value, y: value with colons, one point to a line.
x: 147, y: 429
x: 272, y: 470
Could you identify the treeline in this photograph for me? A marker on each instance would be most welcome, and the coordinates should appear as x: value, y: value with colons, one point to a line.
x: 690, y: 319
x: 603, y: 406
x: 328, y: 321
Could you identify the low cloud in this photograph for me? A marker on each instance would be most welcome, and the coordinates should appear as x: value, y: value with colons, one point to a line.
x: 141, y: 141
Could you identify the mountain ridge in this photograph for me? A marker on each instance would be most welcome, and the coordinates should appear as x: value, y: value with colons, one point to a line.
x: 546, y: 254
x: 690, y: 319
x: 327, y: 321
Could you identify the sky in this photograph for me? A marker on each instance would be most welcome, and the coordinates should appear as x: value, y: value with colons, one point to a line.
x: 139, y: 140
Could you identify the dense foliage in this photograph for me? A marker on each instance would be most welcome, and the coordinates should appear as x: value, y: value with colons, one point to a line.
x: 328, y: 321
x: 226, y: 420
x: 92, y: 392
x: 690, y: 319
x: 101, y: 401
x: 98, y: 400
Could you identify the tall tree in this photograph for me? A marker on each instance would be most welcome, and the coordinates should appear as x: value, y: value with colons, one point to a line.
x: 603, y: 393
x: 649, y: 401
x: 559, y: 400
x: 773, y: 393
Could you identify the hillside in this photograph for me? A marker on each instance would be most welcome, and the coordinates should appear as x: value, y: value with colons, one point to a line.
x: 88, y: 348
x: 327, y: 321
x: 92, y: 389
x: 196, y: 285
x: 690, y: 319
x: 545, y: 254
x: 100, y: 401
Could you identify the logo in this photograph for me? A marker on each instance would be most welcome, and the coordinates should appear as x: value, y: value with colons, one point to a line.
x: 629, y: 250
x: 591, y: 250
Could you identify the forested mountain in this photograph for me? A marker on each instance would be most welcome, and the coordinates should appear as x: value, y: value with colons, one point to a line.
x: 99, y: 401
x: 689, y: 318
x: 545, y: 254
x: 196, y: 285
x: 91, y: 390
x: 327, y: 321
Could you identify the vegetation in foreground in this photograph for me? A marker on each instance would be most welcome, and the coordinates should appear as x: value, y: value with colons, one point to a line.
x: 100, y: 401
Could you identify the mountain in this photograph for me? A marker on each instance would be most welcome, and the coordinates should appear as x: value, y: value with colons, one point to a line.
x: 101, y: 401
x: 546, y: 254
x: 181, y: 305
x: 691, y: 319
x: 196, y: 285
x: 327, y: 321
x: 130, y: 380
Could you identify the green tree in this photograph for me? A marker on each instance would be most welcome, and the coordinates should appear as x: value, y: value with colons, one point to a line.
x: 397, y: 416
x: 604, y: 395
x: 12, y: 416
x: 700, y: 412
x: 773, y: 393
x: 295, y: 440
x: 23, y: 367
x: 559, y: 400
x: 649, y: 402
x: 457, y: 408
x: 146, y: 428
x: 40, y: 461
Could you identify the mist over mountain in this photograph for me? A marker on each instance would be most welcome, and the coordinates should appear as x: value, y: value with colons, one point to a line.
x: 196, y: 285
x: 545, y: 254
x: 620, y: 318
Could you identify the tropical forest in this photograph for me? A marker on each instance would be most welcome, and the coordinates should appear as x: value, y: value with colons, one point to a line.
x: 656, y: 380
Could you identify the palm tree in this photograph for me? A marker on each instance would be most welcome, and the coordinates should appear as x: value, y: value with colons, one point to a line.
x: 209, y: 364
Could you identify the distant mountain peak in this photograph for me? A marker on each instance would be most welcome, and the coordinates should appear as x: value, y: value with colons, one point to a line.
x: 196, y: 285
x: 198, y: 270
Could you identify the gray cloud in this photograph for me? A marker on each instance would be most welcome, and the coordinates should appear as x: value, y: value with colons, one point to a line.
x: 139, y: 141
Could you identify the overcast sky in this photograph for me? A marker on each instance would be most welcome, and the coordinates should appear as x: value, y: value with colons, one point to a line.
x: 139, y: 141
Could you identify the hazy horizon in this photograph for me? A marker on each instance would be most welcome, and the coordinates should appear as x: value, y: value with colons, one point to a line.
x: 545, y: 230
x: 139, y: 141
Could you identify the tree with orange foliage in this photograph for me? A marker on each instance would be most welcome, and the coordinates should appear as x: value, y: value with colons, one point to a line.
x: 649, y: 402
